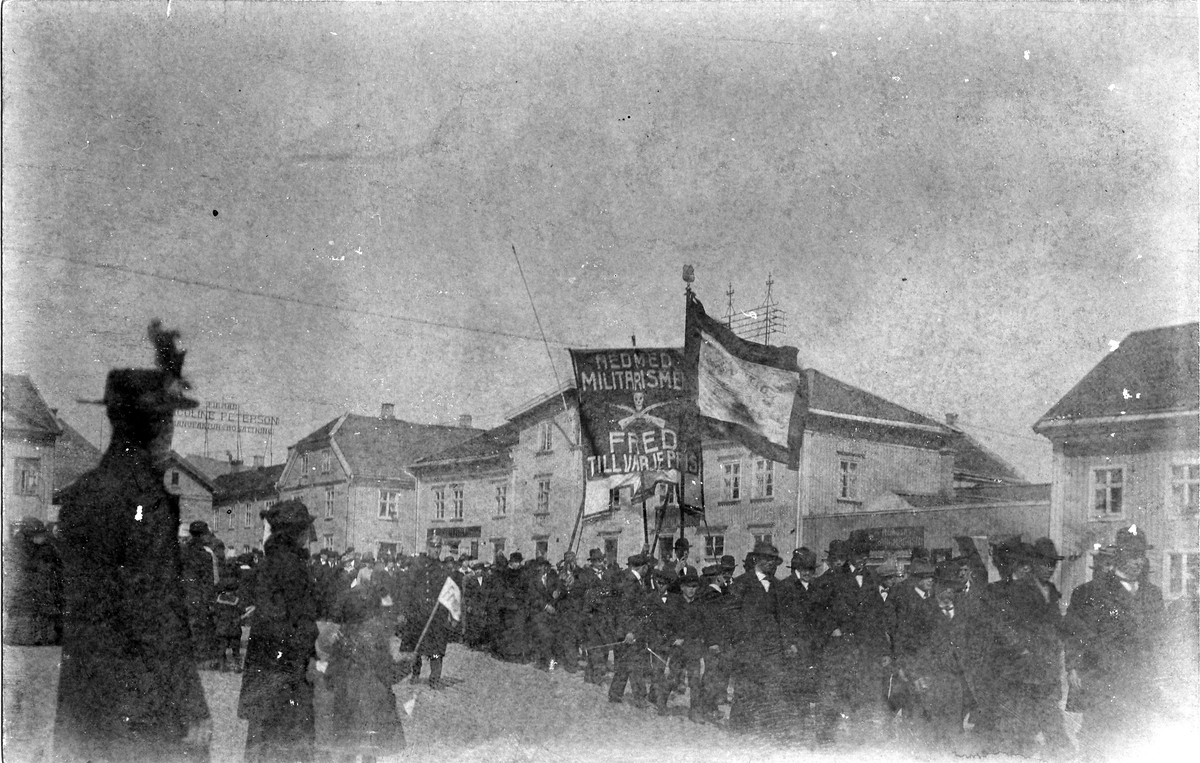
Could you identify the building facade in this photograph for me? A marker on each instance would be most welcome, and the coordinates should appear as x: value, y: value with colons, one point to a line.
x: 353, y: 476
x: 1126, y: 444
x: 240, y: 498
x: 195, y: 491
x: 30, y: 433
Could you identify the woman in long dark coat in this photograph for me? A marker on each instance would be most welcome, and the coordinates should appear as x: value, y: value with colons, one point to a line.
x: 32, y: 588
x: 277, y: 698
x: 361, y: 674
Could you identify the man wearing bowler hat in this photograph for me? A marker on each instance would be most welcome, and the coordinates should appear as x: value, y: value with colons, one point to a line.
x: 631, y: 660
x: 200, y: 578
x: 129, y: 689
x: 593, y: 590
x: 801, y: 614
x: 757, y: 642
x: 1115, y: 623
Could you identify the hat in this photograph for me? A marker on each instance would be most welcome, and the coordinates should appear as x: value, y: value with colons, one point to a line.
x: 568, y: 556
x: 154, y: 391
x: 596, y: 555
x: 837, y: 549
x: 804, y: 559
x: 920, y: 569
x: 859, y: 544
x: 1131, y: 541
x: 889, y: 569
x: 30, y: 526
x: 516, y: 558
x: 199, y: 527
x: 1103, y: 556
x: 682, y: 543
x: 689, y: 577
x: 287, y: 513
x: 711, y: 571
x: 501, y: 559
x: 542, y: 561
x: 1045, y: 550
x: 764, y: 550
x: 637, y: 560
x: 728, y: 563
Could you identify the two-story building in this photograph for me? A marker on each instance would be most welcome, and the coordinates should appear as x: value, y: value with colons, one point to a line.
x: 867, y: 463
x: 30, y: 433
x: 195, y: 490
x: 1126, y: 444
x: 352, y: 474
x: 240, y: 498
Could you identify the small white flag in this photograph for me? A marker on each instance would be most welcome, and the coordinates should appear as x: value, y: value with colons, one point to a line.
x: 451, y: 598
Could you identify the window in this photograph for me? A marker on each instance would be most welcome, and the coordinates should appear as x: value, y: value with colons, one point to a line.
x: 439, y: 503
x: 848, y: 479
x: 29, y: 472
x: 451, y: 548
x: 665, y: 545
x: 714, y: 546
x: 497, y: 546
x: 389, y: 504
x: 326, y: 462
x: 246, y: 518
x: 303, y: 466
x: 456, y: 501
x: 174, y: 478
x: 229, y: 519
x: 545, y: 436
x: 387, y: 549
x: 474, y: 549
x: 610, y: 548
x: 1107, y: 487
x: 543, y: 496
x: 541, y: 548
x: 501, y: 499
x: 764, y: 478
x: 762, y: 538
x: 327, y: 541
x: 731, y: 481
x: 614, y: 498
x: 329, y: 504
x: 1182, y: 570
x: 1185, y: 488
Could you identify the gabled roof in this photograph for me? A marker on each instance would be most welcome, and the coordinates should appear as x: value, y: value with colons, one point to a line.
x: 381, y: 448
x: 74, y: 456
x: 494, y: 443
x: 192, y: 471
x: 828, y: 395
x: 24, y: 409
x: 1156, y: 371
x: 972, y: 460
x: 248, y: 484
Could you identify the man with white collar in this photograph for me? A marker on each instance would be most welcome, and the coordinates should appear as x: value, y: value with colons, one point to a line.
x: 757, y: 641
x: 801, y: 614
x: 1115, y: 622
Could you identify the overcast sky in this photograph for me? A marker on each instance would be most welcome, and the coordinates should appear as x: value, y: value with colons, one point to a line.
x: 962, y: 206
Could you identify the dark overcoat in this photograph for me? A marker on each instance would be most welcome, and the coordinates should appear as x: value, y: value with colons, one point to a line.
x: 128, y: 688
x: 276, y: 695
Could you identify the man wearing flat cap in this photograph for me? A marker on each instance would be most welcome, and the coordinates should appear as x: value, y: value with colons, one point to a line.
x: 128, y: 688
x: 1115, y: 622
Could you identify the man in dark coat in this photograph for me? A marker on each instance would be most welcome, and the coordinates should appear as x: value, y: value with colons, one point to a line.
x: 427, y: 624
x: 1020, y: 634
x: 1116, y: 622
x: 32, y: 587
x: 684, y: 640
x: 757, y: 643
x: 631, y: 660
x: 543, y: 599
x: 801, y: 621
x: 200, y: 580
x: 129, y: 689
x: 594, y: 588
x: 277, y: 695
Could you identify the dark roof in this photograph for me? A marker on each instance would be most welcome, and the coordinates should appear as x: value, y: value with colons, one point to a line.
x: 199, y: 476
x: 74, y: 456
x: 1152, y: 371
x: 493, y: 443
x: 24, y: 408
x: 972, y: 460
x: 1024, y: 493
x: 248, y: 484
x: 379, y: 448
x: 828, y: 394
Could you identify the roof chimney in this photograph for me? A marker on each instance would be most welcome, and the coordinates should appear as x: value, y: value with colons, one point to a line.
x: 951, y: 419
x: 387, y: 411
x: 464, y: 420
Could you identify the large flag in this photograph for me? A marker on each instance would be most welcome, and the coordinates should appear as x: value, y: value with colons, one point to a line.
x: 632, y: 404
x: 451, y: 598
x: 752, y: 393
